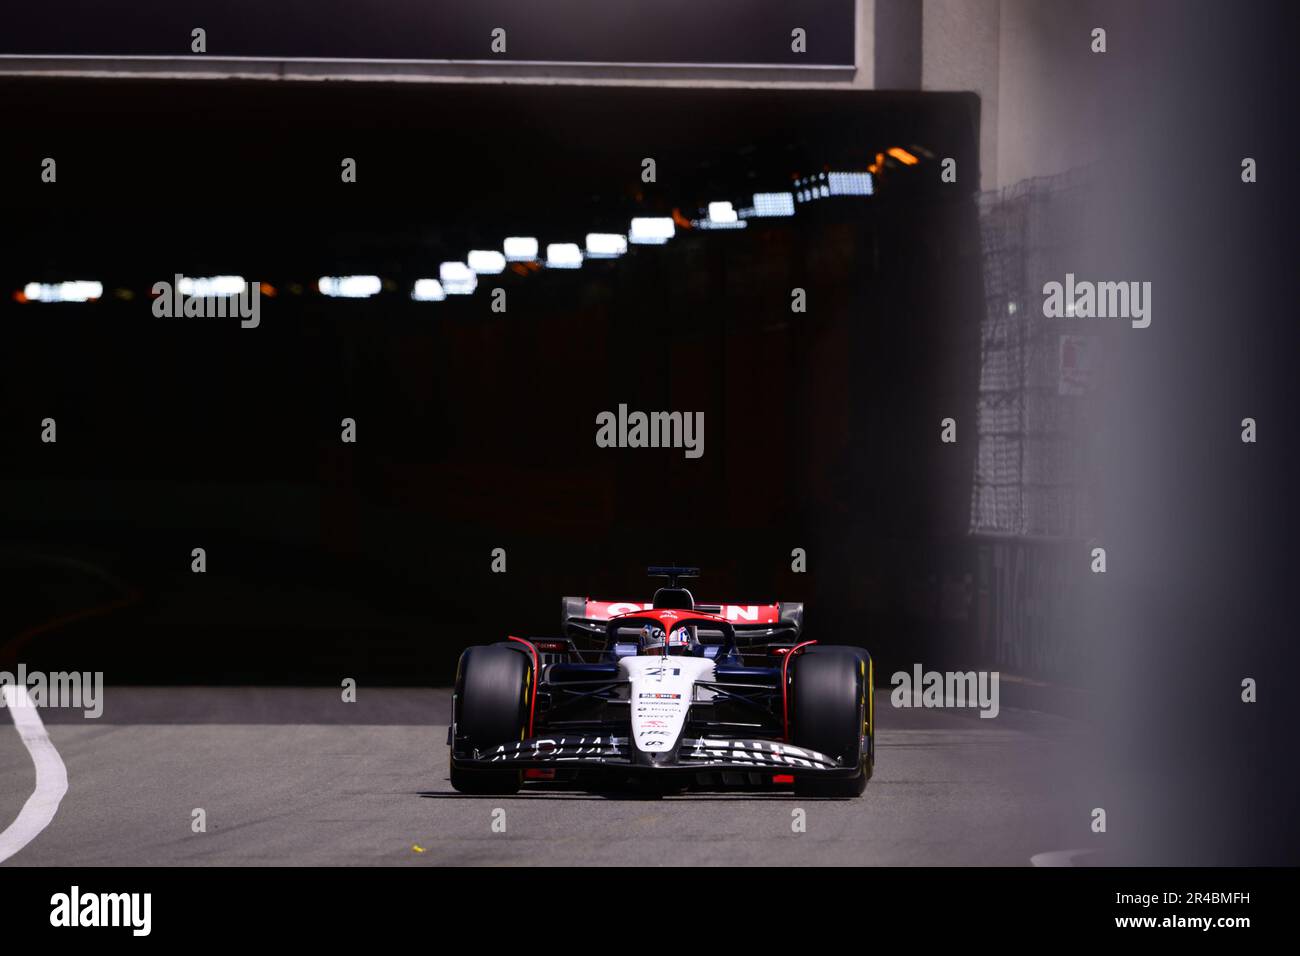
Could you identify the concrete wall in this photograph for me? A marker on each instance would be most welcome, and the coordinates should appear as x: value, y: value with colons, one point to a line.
x: 212, y: 67
x: 1028, y: 60
x: 1031, y: 63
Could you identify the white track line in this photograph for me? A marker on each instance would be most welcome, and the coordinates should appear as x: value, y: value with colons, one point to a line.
x: 51, y: 774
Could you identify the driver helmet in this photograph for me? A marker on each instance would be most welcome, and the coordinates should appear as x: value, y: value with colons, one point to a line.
x: 680, y: 640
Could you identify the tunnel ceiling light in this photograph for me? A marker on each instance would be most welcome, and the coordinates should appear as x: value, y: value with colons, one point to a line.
x: 850, y: 184
x: 652, y: 230
x: 208, y: 286
x: 428, y: 290
x: 563, y: 255
x: 457, y: 278
x: 722, y: 212
x: 349, y: 287
x: 520, y: 248
x: 773, y: 204
x: 606, y: 245
x: 486, y: 262
x: 74, y: 290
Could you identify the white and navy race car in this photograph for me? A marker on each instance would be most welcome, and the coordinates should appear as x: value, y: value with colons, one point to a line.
x: 668, y: 695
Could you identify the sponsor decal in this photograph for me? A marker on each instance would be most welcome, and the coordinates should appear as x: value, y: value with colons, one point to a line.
x: 662, y: 696
x: 735, y: 613
x: 560, y: 749
x: 759, y: 752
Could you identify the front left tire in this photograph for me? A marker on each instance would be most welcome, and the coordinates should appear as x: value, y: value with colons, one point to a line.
x: 831, y: 704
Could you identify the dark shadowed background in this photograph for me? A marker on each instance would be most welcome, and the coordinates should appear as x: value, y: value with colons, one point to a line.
x: 476, y: 430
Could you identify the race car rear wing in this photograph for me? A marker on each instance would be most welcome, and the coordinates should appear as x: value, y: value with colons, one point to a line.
x: 753, y: 623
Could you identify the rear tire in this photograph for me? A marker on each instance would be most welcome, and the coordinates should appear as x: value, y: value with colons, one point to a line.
x: 492, y: 693
x: 831, y: 703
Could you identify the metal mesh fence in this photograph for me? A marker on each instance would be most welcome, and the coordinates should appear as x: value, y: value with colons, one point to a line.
x: 1031, y: 467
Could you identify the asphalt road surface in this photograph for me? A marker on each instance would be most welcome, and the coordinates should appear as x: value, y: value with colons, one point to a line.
x: 297, y: 777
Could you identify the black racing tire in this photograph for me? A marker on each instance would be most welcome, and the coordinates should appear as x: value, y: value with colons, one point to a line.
x: 493, y: 684
x: 831, y: 704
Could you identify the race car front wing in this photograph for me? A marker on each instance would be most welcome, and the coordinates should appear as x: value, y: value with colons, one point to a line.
x: 692, y: 753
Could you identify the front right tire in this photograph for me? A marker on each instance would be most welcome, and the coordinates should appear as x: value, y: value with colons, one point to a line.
x: 493, y: 684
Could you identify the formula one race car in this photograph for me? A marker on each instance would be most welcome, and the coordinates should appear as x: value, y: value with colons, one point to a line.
x: 666, y: 696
